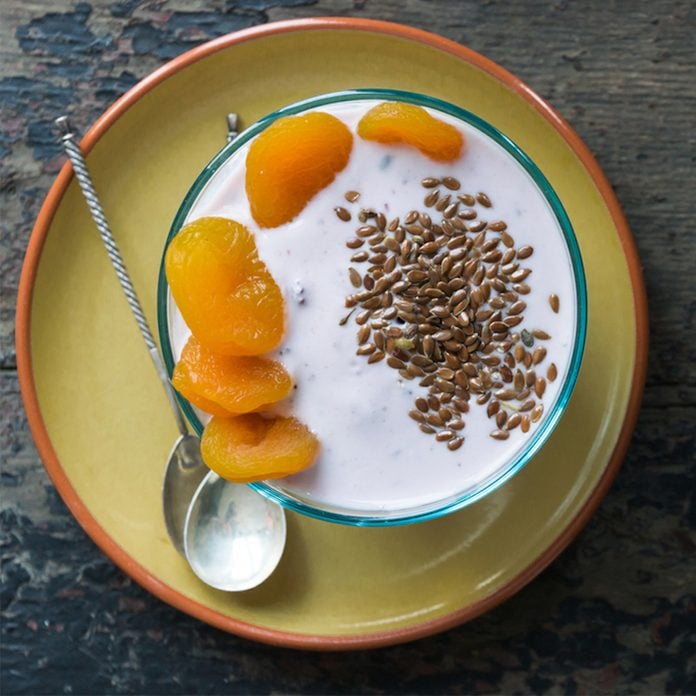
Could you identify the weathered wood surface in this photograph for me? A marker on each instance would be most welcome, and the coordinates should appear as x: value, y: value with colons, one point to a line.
x: 612, y: 614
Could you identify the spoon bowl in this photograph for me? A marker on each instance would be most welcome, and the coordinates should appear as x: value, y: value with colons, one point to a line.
x: 184, y: 472
x: 233, y: 537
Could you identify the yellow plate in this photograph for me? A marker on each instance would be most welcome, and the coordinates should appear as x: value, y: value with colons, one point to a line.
x: 99, y: 416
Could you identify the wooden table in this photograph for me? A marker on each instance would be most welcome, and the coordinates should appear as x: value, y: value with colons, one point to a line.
x: 611, y: 615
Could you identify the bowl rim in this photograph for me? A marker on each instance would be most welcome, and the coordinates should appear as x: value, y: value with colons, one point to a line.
x: 531, y: 447
x: 172, y: 596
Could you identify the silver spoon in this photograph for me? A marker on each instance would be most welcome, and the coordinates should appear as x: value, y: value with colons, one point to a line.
x: 232, y: 537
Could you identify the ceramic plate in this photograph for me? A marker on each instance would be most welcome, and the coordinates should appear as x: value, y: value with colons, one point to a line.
x: 100, y: 418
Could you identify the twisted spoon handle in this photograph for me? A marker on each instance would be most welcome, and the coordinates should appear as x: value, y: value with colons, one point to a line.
x: 79, y: 165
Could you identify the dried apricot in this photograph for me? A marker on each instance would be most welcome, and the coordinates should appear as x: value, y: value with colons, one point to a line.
x: 253, y: 448
x: 408, y: 124
x: 228, y: 384
x: 223, y: 290
x: 291, y: 161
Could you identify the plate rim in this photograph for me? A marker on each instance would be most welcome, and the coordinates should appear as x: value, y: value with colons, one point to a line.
x: 173, y: 597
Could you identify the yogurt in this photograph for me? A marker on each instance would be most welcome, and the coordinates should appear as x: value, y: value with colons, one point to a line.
x: 374, y: 457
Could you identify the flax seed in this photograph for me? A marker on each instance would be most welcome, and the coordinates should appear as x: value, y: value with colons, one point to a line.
x: 538, y: 355
x: 466, y: 199
x: 431, y: 199
x: 434, y: 419
x: 519, y: 275
x: 469, y: 214
x: 416, y: 416
x: 355, y: 278
x: 536, y: 412
x: 376, y: 357
x: 505, y: 394
x: 343, y: 214
x: 415, y: 371
x: 443, y: 202
x: 455, y: 336
x: 461, y: 405
x: 508, y: 256
x: 363, y: 317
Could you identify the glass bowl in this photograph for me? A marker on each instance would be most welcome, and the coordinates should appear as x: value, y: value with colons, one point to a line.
x: 292, y: 499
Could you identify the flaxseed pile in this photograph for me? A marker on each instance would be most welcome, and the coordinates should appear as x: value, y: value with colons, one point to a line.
x: 440, y: 295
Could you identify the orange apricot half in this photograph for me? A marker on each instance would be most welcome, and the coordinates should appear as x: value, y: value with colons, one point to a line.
x: 224, y: 292
x: 407, y: 124
x: 227, y: 384
x: 253, y: 448
x: 291, y: 161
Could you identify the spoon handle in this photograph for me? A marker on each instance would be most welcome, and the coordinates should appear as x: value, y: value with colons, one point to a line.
x: 84, y: 179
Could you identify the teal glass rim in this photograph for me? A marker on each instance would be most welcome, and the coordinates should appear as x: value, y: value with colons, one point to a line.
x: 549, y: 423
